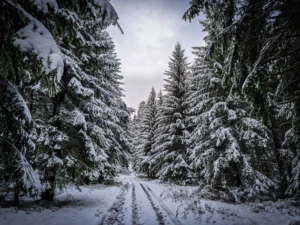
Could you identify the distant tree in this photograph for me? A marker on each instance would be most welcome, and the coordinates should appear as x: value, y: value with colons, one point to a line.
x: 146, y: 135
x: 169, y: 155
x: 138, y: 141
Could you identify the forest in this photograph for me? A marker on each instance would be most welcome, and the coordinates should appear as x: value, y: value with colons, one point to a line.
x: 228, y: 122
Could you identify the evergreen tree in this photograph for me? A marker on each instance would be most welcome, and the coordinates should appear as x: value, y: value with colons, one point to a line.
x: 289, y: 153
x: 169, y: 155
x: 256, y: 45
x: 16, y: 143
x: 138, y: 141
x: 26, y: 64
x: 231, y: 152
x: 90, y: 109
x: 147, y: 134
x: 60, y: 70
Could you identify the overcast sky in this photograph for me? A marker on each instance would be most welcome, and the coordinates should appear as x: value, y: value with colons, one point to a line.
x: 151, y: 30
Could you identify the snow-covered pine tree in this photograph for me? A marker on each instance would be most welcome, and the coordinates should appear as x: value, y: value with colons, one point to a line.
x: 26, y: 64
x: 265, y: 35
x: 169, y: 156
x: 75, y: 108
x: 159, y: 100
x: 289, y: 153
x: 159, y: 108
x: 138, y: 143
x: 231, y: 152
x: 146, y: 136
x: 16, y: 146
x: 45, y: 36
x: 93, y: 106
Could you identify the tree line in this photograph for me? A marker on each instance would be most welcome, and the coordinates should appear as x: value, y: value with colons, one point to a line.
x: 231, y: 119
x: 62, y: 117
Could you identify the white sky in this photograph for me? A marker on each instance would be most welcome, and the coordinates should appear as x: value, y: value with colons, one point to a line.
x: 152, y: 28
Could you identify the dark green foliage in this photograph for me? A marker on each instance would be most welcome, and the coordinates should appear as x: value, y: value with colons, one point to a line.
x: 62, y: 116
x: 256, y: 46
x: 145, y: 132
x: 231, y: 152
x: 170, y: 153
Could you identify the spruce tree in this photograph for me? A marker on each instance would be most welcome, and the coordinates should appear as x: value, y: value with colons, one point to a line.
x: 47, y: 45
x: 138, y: 141
x: 25, y: 65
x: 170, y: 155
x: 231, y: 152
x: 256, y: 45
x: 92, y: 108
x: 147, y: 135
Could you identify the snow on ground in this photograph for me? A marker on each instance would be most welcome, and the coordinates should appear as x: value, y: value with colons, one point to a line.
x: 142, y: 201
x: 85, y: 207
x: 189, y: 209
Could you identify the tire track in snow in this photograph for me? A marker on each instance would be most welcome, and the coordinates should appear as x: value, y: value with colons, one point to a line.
x: 135, y: 212
x: 167, y: 210
x: 115, y: 213
x: 160, y: 218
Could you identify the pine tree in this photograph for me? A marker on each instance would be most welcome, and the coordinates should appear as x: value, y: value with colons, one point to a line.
x: 169, y: 155
x: 289, y: 153
x: 42, y: 69
x: 231, y: 152
x: 138, y: 141
x: 24, y: 67
x: 16, y: 143
x: 93, y: 108
x: 264, y: 35
x: 147, y: 135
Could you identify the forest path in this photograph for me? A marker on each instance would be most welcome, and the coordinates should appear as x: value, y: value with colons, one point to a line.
x: 141, y: 201
x: 138, y: 204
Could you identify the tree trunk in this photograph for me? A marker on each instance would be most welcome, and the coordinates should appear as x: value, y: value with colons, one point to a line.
x: 58, y: 99
x: 16, y: 199
x: 48, y: 195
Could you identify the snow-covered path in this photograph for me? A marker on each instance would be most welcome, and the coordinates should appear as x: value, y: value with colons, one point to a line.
x: 138, y: 204
x: 140, y: 201
x: 151, y: 202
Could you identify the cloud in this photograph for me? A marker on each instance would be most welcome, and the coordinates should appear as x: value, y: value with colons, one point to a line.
x: 135, y: 92
x: 151, y: 29
x: 152, y: 32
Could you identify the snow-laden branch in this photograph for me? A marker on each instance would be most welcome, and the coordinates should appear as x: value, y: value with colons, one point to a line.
x: 251, y: 75
x: 30, y: 178
x: 108, y: 10
x: 14, y: 101
x: 43, y: 5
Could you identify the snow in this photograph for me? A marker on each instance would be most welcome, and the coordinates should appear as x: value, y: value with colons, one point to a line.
x: 183, y: 202
x: 30, y: 177
x: 19, y: 104
x: 36, y: 38
x: 111, y: 13
x: 69, y: 15
x: 85, y: 207
x: 77, y: 119
x: 143, y: 201
x: 42, y: 5
x: 79, y: 89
